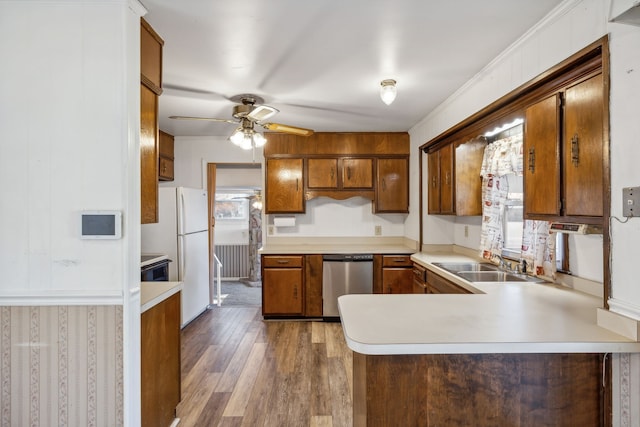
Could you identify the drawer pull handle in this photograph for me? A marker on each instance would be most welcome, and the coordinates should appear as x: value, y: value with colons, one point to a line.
x: 399, y: 260
x: 283, y: 261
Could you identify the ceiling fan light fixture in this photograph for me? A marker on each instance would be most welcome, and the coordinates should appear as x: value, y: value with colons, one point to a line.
x: 247, y: 138
x: 388, y: 91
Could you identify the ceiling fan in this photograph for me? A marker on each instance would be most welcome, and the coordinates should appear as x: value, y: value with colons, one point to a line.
x: 248, y: 112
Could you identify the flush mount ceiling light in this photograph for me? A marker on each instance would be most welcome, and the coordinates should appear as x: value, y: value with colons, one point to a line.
x: 388, y: 91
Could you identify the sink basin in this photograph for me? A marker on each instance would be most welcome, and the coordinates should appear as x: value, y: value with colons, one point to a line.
x: 456, y: 267
x: 495, y: 276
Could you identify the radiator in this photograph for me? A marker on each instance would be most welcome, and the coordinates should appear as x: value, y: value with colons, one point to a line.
x: 234, y: 259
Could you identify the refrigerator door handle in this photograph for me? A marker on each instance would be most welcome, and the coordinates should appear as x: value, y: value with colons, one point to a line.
x: 181, y: 215
x: 181, y: 258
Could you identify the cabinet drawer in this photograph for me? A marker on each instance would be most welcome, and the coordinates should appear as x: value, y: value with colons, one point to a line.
x: 396, y: 261
x: 282, y: 261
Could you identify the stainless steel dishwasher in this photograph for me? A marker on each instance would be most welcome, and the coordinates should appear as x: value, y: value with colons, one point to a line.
x: 344, y: 274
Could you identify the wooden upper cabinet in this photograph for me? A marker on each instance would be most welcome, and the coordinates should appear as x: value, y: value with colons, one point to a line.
x: 165, y: 164
x: 564, y: 154
x: 583, y: 148
x: 150, y: 89
x: 284, y: 186
x: 441, y: 197
x: 357, y: 173
x: 542, y: 157
x: 150, y: 57
x: 148, y: 155
x: 392, y: 186
x: 322, y: 173
x: 468, y: 182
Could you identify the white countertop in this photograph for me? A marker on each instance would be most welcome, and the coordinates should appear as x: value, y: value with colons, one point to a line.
x: 323, y: 248
x: 153, y: 293
x: 518, y: 317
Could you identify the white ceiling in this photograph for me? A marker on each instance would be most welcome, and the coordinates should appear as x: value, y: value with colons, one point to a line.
x: 320, y: 62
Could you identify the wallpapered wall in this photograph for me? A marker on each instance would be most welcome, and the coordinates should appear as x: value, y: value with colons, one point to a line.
x: 61, y: 365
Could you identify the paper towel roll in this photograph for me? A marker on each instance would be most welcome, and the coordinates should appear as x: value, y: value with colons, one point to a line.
x: 284, y: 221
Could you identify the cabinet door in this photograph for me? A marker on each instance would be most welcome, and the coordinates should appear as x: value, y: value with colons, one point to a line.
x: 148, y: 155
x: 357, y: 173
x: 150, y: 57
x: 446, y: 180
x: 392, y: 186
x: 282, y: 291
x: 542, y: 158
x: 284, y: 190
x: 322, y: 173
x: 583, y: 148
x: 160, y: 353
x: 433, y: 191
x: 397, y: 280
x: 468, y: 182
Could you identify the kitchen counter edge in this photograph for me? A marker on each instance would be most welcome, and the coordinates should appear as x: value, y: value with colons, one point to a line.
x: 153, y: 293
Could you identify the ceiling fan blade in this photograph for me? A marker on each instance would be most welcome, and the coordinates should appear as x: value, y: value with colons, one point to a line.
x: 279, y: 127
x: 209, y: 119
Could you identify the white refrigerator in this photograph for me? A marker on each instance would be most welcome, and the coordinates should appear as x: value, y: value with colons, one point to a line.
x: 182, y: 234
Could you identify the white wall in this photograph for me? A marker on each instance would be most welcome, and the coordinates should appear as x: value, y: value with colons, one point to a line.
x: 62, y: 151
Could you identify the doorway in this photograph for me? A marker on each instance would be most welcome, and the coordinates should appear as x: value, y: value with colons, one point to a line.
x: 235, y: 233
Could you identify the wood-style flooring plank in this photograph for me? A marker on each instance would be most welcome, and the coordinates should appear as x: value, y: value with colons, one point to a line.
x: 239, y: 370
x: 239, y: 397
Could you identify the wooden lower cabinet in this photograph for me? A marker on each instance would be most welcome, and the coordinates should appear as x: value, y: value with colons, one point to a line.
x: 282, y: 285
x: 419, y: 279
x: 437, y: 284
x: 392, y: 274
x: 160, y: 362
x: 478, y: 390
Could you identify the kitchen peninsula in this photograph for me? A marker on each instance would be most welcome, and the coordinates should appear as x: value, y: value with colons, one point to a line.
x: 508, y: 354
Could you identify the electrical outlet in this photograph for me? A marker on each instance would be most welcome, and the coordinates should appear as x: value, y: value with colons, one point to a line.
x: 631, y: 201
x: 378, y: 230
x: 466, y: 231
x: 270, y: 230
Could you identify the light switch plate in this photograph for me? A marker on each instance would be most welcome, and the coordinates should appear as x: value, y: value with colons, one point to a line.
x: 631, y: 201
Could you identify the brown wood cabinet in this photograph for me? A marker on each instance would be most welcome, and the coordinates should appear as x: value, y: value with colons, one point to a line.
x: 340, y: 173
x: 583, y: 148
x: 166, y: 157
x: 467, y: 180
x: 563, y: 154
x: 340, y: 166
x: 542, y: 157
x: 393, y: 274
x: 440, y: 192
x: 150, y: 89
x: 478, y: 390
x: 148, y: 155
x: 160, y: 362
x: 455, y: 185
x: 419, y: 279
x: 392, y: 185
x: 437, y: 284
x: 282, y: 285
x: 284, y: 186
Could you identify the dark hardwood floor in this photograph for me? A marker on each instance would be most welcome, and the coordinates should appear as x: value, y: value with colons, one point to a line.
x: 239, y: 370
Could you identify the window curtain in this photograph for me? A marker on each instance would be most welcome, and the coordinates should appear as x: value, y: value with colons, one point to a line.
x: 503, y: 157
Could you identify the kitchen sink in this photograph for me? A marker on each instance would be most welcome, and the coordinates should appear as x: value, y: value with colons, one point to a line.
x: 455, y: 267
x: 484, y: 272
x: 491, y: 276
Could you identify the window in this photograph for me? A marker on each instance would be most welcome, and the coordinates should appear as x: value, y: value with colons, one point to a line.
x: 232, y: 206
